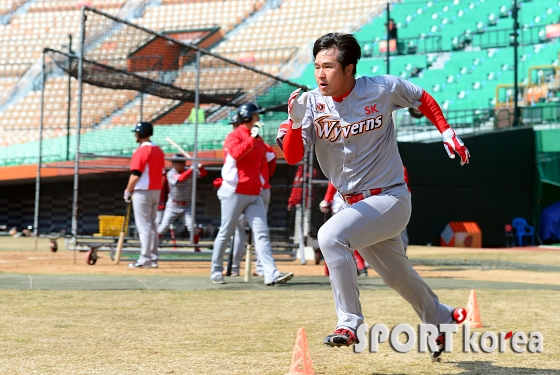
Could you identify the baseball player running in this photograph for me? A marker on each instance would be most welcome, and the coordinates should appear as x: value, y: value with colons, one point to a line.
x: 349, y: 122
x: 180, y: 190
x: 240, y: 193
x: 147, y: 166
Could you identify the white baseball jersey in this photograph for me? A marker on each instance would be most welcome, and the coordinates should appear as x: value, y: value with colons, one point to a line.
x: 355, y: 140
x: 179, y: 190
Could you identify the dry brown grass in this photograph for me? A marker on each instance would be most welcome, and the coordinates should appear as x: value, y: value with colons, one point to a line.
x: 245, y: 332
x: 249, y: 332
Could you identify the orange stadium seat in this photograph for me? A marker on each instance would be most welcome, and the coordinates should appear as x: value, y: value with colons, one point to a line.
x: 272, y: 39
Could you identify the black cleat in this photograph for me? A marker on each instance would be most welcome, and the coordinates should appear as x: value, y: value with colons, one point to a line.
x: 459, y: 316
x: 440, y: 342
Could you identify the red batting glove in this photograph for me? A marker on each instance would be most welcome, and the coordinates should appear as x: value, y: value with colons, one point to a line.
x: 453, y: 144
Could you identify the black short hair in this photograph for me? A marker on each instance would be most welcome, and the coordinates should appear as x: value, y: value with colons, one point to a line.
x: 349, y: 51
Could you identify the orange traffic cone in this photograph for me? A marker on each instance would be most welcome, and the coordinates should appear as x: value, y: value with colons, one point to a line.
x: 301, y: 357
x: 473, y: 315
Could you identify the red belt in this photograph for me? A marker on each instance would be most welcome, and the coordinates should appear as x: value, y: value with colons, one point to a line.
x: 355, y: 198
x: 180, y: 203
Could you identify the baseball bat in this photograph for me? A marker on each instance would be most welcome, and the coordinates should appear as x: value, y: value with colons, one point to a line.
x: 120, y: 243
x: 230, y: 259
x: 179, y: 148
x: 301, y: 243
x: 248, y: 259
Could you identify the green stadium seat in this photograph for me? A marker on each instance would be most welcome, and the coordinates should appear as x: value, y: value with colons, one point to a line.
x: 492, y: 20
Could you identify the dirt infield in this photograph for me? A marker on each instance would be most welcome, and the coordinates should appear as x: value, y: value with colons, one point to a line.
x: 541, y: 266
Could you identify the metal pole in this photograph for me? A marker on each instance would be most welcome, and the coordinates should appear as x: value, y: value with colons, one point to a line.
x: 69, y: 101
x: 388, y: 40
x: 307, y: 217
x: 141, y: 106
x: 39, y: 158
x: 302, y: 211
x: 516, y: 111
x: 78, y: 129
x: 195, y: 146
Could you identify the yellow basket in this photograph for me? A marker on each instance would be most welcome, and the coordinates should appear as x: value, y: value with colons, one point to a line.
x: 110, y: 225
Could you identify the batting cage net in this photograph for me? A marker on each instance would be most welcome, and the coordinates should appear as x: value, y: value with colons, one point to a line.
x: 128, y: 74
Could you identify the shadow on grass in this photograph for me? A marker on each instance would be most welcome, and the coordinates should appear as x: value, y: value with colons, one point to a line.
x: 487, y: 367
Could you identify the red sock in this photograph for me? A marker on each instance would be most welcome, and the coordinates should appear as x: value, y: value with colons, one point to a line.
x: 359, y: 260
x: 196, y: 237
x: 326, y: 269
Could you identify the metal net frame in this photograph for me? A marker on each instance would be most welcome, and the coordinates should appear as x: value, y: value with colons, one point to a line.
x: 125, y: 73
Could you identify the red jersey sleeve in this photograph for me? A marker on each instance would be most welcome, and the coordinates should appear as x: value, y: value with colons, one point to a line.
x: 186, y: 174
x: 293, y: 145
x: 431, y: 109
x: 140, y: 159
x: 238, y: 147
x: 331, y: 191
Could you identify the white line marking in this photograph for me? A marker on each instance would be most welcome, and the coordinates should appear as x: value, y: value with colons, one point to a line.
x: 143, y: 283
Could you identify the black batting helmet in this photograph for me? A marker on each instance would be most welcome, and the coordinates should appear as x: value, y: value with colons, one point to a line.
x: 144, y: 129
x: 246, y: 111
x: 178, y: 158
x: 234, y: 120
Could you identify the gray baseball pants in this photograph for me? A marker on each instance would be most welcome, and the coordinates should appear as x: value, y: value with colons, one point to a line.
x: 373, y: 226
x: 239, y: 238
x: 172, y: 212
x: 233, y: 205
x: 145, y: 203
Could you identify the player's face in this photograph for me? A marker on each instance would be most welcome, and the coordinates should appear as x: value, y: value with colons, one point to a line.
x: 179, y: 167
x: 332, y: 79
x: 255, y: 118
